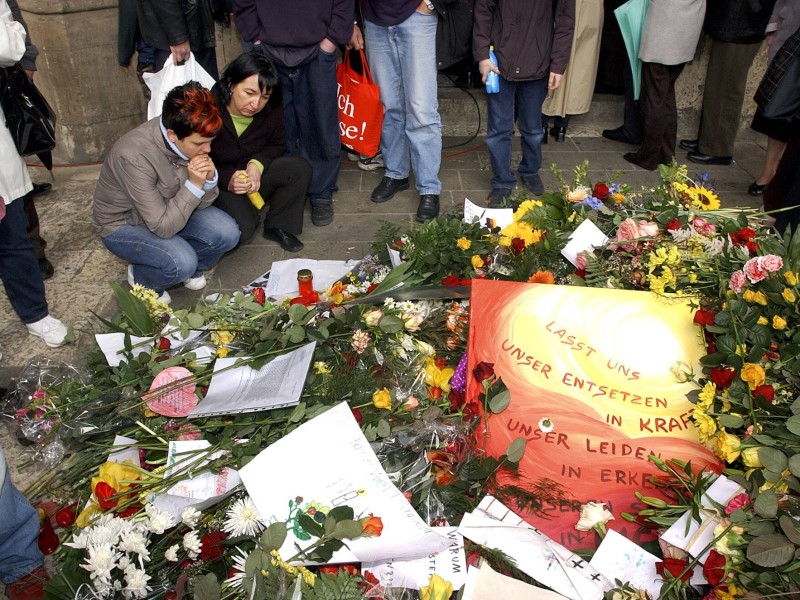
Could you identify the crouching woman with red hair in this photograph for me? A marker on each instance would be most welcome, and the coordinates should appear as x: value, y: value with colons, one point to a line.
x: 152, y: 205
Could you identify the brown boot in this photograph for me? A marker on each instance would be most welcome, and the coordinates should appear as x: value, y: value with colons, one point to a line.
x: 30, y: 587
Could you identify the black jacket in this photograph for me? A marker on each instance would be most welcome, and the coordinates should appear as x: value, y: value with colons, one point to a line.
x: 738, y: 21
x: 166, y: 23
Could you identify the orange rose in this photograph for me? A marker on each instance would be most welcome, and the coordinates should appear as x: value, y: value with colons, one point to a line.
x: 373, y: 526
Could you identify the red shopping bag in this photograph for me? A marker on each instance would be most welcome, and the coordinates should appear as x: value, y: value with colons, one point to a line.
x: 360, y: 108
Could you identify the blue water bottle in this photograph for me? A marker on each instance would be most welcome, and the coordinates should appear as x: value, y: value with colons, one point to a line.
x: 492, y: 78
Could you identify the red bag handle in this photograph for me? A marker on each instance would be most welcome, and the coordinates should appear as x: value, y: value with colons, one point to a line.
x: 366, y: 75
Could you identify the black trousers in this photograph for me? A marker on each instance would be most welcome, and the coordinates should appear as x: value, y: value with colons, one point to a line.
x: 284, y: 186
x: 37, y: 241
x: 659, y: 114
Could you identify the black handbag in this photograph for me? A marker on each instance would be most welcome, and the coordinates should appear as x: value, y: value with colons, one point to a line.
x: 29, y: 118
x: 778, y: 95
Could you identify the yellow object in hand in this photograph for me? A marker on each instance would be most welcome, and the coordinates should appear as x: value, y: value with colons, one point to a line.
x: 254, y: 197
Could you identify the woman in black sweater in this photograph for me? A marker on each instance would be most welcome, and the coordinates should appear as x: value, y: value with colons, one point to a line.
x: 249, y: 153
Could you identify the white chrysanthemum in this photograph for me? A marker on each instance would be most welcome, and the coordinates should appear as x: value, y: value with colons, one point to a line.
x: 100, y: 561
x: 239, y: 560
x: 172, y: 553
x: 135, y: 541
x: 681, y: 235
x: 157, y: 521
x: 79, y: 541
x: 546, y: 425
x: 191, y: 543
x: 190, y: 516
x: 136, y: 580
x: 242, y: 518
x: 124, y: 563
x: 714, y: 247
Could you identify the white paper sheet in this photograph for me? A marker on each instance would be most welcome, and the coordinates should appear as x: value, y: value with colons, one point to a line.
x: 186, y: 457
x: 129, y: 453
x: 501, y: 216
x: 394, y: 256
x: 586, y: 237
x: 277, y: 384
x: 494, y: 525
x: 450, y: 565
x: 113, y: 346
x: 484, y: 583
x: 282, y: 281
x: 328, y: 461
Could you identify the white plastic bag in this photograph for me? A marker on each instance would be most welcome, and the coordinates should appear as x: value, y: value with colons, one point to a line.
x: 171, y: 76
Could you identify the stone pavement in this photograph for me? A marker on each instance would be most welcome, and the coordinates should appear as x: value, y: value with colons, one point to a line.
x: 83, y: 267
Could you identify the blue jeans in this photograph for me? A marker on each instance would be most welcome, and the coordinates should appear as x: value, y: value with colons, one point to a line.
x: 529, y: 95
x: 19, y: 267
x: 19, y: 532
x: 312, y: 121
x: 403, y: 61
x: 160, y: 263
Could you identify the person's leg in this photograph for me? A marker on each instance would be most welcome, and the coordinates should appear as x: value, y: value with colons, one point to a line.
x: 416, y: 46
x: 654, y: 106
x: 775, y: 150
x: 211, y: 233
x: 499, y: 131
x: 670, y: 132
x: 241, y: 210
x: 531, y: 95
x: 38, y: 243
x: 726, y: 80
x: 158, y: 263
x: 19, y: 531
x: 284, y: 185
x: 19, y: 268
x: 384, y: 61
x: 632, y: 127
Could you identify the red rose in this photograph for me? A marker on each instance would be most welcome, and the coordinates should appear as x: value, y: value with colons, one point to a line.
x: 766, y: 391
x: 211, y: 546
x: 722, y: 377
x: 371, y: 287
x: 673, y: 225
x: 714, y: 569
x: 704, y: 317
x: 517, y: 245
x: 451, y: 281
x: 373, y: 527
x: 600, y: 191
x: 164, y: 344
x: 674, y: 566
x: 357, y: 415
x: 456, y: 400
x: 260, y: 296
x: 104, y: 494
x: 483, y: 371
x: 66, y: 516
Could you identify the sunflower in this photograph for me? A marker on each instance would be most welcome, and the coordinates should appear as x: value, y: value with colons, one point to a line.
x: 705, y: 199
x: 542, y: 277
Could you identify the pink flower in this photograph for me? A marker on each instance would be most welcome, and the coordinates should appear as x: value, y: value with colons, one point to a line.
x: 754, y: 270
x: 703, y: 227
x: 737, y: 282
x: 771, y: 263
x: 738, y: 501
x: 189, y: 432
x: 627, y: 231
x: 580, y: 260
x: 648, y: 229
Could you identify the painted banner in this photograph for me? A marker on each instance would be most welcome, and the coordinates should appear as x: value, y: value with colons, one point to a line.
x: 600, y: 365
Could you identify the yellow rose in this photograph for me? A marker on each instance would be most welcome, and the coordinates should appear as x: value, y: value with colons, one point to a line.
x: 437, y: 589
x: 755, y: 297
x: 790, y: 278
x: 222, y: 352
x: 762, y: 320
x: 778, y: 323
x: 477, y: 262
x: 382, y: 399
x: 750, y: 458
x: 706, y: 425
x: 221, y: 337
x: 788, y: 295
x: 727, y: 446
x: 753, y: 375
x: 463, y: 243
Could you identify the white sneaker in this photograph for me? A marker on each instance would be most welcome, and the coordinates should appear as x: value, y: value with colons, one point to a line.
x: 165, y: 298
x: 196, y: 283
x: 50, y: 329
x: 370, y: 163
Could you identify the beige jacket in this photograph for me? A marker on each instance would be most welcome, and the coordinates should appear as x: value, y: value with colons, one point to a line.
x: 142, y: 181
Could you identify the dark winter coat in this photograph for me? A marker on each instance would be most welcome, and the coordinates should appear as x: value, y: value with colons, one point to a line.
x: 165, y: 23
x: 738, y: 21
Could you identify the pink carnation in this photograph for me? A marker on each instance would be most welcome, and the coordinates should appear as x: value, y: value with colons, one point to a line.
x: 703, y: 227
x: 754, y: 270
x: 737, y: 282
x: 738, y: 501
x: 771, y: 263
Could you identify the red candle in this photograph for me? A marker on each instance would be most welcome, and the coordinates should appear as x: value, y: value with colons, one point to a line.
x: 305, y: 283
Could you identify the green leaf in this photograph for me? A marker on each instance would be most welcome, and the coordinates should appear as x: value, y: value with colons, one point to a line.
x: 317, y: 335
x: 771, y: 550
x: 296, y: 333
x: 516, y: 450
x: 793, y: 424
x: 310, y: 525
x: 773, y: 459
x: 206, y: 587
x: 341, y: 513
x: 790, y: 528
x: 383, y: 429
x: 195, y: 320
x: 766, y: 504
x: 794, y: 465
x: 253, y: 582
x: 390, y: 324
x: 500, y: 402
x: 296, y: 313
x: 298, y: 413
x: 731, y: 421
x: 273, y: 537
x: 795, y: 406
x: 134, y: 311
x: 348, y: 530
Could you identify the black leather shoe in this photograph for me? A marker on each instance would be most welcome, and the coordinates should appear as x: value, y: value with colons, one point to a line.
x: 689, y: 145
x: 428, y: 207
x: 387, y: 188
x: 46, y: 268
x: 321, y: 214
x: 632, y: 158
x: 558, y: 133
x: 41, y: 188
x: 708, y: 159
x: 618, y: 135
x: 286, y: 240
x: 756, y: 189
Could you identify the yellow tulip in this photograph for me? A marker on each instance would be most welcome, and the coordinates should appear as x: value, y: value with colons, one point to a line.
x: 790, y: 278
x: 778, y: 323
x: 436, y: 377
x: 437, y: 589
x: 118, y: 475
x: 788, y: 295
x: 477, y: 262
